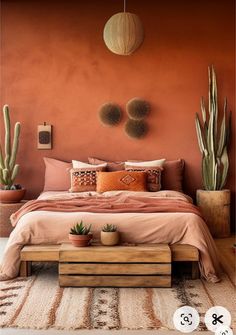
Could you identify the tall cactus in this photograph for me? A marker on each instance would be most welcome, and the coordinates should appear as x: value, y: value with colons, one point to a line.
x: 8, y: 168
x: 212, y: 141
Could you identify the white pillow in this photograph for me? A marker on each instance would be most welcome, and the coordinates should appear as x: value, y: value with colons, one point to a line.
x: 158, y: 162
x: 82, y: 165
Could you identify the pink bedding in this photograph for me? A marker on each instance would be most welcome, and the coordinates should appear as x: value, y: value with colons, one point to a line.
x: 52, y: 227
x: 118, y: 203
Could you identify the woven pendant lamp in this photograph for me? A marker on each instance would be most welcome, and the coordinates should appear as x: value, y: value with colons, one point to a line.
x: 123, y: 33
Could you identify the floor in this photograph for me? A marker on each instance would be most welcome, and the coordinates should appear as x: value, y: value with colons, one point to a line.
x: 227, y: 258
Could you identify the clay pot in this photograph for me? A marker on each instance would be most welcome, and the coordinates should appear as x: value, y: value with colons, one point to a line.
x: 80, y: 240
x: 11, y: 196
x: 215, y: 207
x: 109, y: 237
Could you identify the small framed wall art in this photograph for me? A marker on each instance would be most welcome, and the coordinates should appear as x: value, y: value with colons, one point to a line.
x: 44, y: 136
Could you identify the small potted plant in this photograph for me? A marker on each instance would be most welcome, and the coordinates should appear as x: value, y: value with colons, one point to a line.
x: 80, y: 235
x: 10, y: 192
x: 109, y: 235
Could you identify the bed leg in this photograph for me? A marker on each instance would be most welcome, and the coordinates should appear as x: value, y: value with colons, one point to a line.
x: 25, y: 269
x: 195, y: 270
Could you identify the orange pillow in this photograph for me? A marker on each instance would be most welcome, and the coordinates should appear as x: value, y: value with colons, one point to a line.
x: 121, y: 180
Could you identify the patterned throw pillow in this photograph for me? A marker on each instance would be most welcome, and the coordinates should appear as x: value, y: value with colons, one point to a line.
x: 153, y: 175
x: 84, y: 179
x: 121, y: 180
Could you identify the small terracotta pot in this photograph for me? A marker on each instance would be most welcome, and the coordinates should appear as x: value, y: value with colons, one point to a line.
x: 11, y: 196
x: 109, y: 237
x: 80, y: 240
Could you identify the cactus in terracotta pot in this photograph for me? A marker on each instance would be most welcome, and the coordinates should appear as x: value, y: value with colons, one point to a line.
x: 8, y: 167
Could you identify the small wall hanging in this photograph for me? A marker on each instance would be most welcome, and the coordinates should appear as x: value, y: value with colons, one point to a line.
x: 136, y: 128
x: 123, y: 33
x: 44, y: 136
x: 110, y: 114
x: 137, y: 109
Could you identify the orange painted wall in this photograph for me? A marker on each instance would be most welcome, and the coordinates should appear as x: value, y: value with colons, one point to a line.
x: 56, y: 68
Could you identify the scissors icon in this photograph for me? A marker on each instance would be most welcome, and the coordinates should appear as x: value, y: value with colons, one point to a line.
x: 216, y: 319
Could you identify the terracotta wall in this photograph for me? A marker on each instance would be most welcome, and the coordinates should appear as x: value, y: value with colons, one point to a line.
x: 57, y: 69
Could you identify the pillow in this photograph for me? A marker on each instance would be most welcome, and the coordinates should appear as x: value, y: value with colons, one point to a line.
x: 153, y: 175
x: 57, y: 176
x: 172, y: 175
x: 111, y: 165
x: 158, y: 162
x: 121, y: 180
x: 84, y: 179
x: 79, y: 165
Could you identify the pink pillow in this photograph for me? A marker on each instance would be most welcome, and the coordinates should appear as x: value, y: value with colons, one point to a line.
x: 172, y: 175
x: 57, y: 175
x: 111, y: 165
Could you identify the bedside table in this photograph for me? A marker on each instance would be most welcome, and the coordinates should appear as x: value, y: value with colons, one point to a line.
x: 6, y: 210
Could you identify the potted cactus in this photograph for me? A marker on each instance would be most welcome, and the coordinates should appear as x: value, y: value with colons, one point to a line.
x: 213, y: 140
x: 80, y: 235
x: 109, y: 235
x: 10, y: 192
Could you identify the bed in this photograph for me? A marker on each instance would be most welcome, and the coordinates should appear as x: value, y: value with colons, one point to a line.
x: 51, y: 227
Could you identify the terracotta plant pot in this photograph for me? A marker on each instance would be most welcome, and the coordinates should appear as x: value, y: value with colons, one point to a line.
x: 11, y: 196
x: 80, y: 240
x: 109, y: 237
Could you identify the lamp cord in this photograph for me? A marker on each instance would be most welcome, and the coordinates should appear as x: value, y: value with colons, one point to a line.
x: 124, y: 6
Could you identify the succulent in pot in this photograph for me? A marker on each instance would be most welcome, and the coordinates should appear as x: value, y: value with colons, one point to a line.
x: 109, y: 235
x: 80, y: 235
x: 10, y: 192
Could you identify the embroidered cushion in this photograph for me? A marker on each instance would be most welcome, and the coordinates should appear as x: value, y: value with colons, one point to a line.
x: 121, y: 180
x: 172, y: 174
x: 84, y: 179
x: 153, y: 176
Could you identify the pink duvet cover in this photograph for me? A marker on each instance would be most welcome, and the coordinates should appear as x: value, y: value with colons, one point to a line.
x: 48, y: 227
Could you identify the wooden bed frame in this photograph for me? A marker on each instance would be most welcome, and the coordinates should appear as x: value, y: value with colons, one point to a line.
x: 50, y: 253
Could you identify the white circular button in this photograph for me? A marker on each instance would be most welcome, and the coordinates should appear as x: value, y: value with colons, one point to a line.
x: 186, y: 319
x: 224, y: 330
x: 217, y: 316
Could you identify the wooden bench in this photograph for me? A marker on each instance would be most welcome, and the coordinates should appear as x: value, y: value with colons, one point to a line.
x: 142, y: 265
x: 50, y: 253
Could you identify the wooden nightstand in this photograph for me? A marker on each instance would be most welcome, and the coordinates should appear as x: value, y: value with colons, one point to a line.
x: 6, y: 210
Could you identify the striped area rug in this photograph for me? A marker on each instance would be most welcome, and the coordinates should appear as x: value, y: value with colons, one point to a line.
x: 38, y: 302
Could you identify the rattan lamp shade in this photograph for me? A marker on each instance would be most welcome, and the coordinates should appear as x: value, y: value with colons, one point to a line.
x: 123, y: 33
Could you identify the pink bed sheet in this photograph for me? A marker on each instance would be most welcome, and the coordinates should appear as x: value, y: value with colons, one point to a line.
x: 44, y: 227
